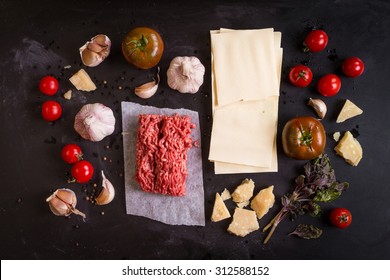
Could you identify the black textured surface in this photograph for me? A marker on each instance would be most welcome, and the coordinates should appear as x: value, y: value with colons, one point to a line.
x: 39, y: 39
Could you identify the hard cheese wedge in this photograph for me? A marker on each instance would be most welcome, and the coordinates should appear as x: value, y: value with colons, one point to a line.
x: 350, y: 149
x: 263, y: 201
x: 244, y: 191
x: 82, y: 81
x: 220, y: 212
x: 348, y: 111
x: 244, y: 222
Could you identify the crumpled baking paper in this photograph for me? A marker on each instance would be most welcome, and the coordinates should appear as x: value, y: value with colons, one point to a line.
x: 185, y: 210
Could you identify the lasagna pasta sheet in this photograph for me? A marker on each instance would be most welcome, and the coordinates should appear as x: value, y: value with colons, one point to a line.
x: 182, y: 210
x: 246, y: 67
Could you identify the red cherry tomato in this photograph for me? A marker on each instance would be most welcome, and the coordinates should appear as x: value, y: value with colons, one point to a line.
x: 352, y: 67
x: 82, y: 171
x: 300, y: 76
x: 48, y: 85
x: 316, y: 41
x: 71, y: 153
x: 51, y: 111
x: 329, y: 85
x: 340, y: 217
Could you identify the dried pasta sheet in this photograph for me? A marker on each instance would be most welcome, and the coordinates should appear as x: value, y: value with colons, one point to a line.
x: 184, y: 210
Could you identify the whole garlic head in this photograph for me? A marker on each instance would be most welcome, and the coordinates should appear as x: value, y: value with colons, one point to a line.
x: 185, y: 74
x: 94, y: 122
x: 95, y: 51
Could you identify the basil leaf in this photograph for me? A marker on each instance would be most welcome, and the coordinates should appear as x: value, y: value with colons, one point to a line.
x: 326, y: 195
x: 307, y: 231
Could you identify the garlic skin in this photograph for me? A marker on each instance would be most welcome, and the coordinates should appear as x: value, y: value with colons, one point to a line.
x: 319, y: 106
x: 149, y: 89
x: 107, y: 194
x: 95, y: 51
x: 185, y: 74
x: 63, y: 202
x: 94, y: 122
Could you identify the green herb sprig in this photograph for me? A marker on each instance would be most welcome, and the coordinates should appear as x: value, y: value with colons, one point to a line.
x: 317, y: 184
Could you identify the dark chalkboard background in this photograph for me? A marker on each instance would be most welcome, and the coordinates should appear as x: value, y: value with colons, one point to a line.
x: 40, y: 37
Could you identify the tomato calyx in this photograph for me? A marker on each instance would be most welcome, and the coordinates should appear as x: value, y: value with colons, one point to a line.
x: 138, y: 44
x: 302, y: 75
x: 306, y: 137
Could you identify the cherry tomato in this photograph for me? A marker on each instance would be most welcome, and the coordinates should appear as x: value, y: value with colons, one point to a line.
x: 352, y: 67
x: 329, y: 85
x: 82, y: 171
x: 48, y: 85
x: 300, y: 76
x: 316, y: 41
x: 340, y: 217
x: 303, y: 138
x: 143, y: 47
x: 51, y: 111
x: 71, y: 153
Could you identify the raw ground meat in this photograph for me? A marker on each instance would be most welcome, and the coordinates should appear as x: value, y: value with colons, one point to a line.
x: 161, y: 153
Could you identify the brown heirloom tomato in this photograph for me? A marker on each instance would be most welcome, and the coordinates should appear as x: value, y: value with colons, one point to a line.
x: 303, y: 138
x: 143, y: 47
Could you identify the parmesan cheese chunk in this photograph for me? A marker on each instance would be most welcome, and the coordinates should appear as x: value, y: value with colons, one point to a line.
x: 336, y: 136
x: 263, y: 201
x: 220, y: 212
x: 349, y: 148
x: 82, y: 81
x: 244, y: 222
x: 225, y: 195
x: 244, y: 192
x: 242, y: 204
x: 348, y: 111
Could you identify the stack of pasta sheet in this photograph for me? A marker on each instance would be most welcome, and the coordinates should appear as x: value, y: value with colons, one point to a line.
x: 246, y: 67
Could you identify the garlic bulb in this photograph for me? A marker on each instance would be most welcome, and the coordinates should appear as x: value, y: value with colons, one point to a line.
x: 185, y: 74
x: 95, y: 51
x: 94, y: 122
x: 107, y: 194
x: 63, y: 202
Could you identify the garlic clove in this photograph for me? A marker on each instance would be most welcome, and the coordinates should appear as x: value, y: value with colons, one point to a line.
x: 107, y: 193
x: 95, y: 51
x: 63, y: 202
x: 149, y: 89
x: 319, y: 106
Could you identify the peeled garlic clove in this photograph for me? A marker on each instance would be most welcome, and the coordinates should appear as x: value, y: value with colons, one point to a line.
x: 107, y: 193
x: 63, y: 203
x: 95, y: 51
x: 319, y: 106
x: 149, y: 89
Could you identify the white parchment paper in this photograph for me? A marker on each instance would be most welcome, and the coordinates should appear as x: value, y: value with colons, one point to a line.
x: 185, y: 210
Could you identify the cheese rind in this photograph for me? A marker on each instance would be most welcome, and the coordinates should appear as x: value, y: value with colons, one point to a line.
x: 244, y: 191
x: 82, y: 81
x: 244, y: 222
x: 350, y: 149
x: 348, y: 111
x: 263, y: 201
x: 220, y: 212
